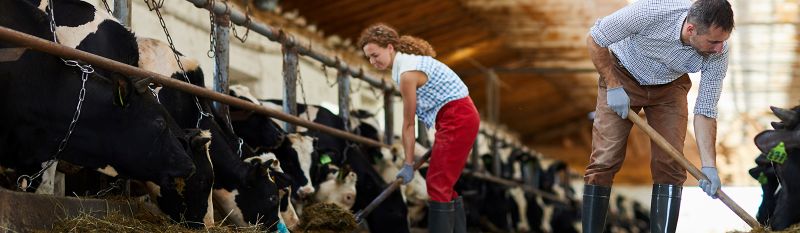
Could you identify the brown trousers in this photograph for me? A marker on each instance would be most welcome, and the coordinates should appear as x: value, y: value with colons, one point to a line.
x: 666, y: 110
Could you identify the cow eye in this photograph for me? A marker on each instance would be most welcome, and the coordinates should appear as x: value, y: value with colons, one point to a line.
x: 273, y: 198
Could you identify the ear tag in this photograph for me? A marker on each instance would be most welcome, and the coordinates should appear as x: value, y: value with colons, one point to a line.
x: 325, y: 159
x: 778, y: 153
x: 762, y: 179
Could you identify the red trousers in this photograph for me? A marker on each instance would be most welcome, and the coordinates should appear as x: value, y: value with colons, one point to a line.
x: 456, y: 128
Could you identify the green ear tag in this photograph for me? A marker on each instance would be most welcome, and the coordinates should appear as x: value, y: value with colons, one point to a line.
x: 777, y: 154
x: 324, y: 159
x: 762, y: 179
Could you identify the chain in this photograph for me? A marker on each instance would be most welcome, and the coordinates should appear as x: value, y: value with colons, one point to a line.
x: 246, y: 23
x: 107, y: 8
x: 85, y: 71
x: 327, y: 78
x: 241, y: 142
x: 212, y: 41
x: 114, y: 185
x: 154, y: 5
x: 303, y: 93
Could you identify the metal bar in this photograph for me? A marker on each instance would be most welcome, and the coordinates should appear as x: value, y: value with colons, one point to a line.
x: 475, y: 156
x: 344, y: 98
x: 388, y: 191
x: 388, y: 117
x: 290, y: 60
x: 222, y: 24
x: 678, y: 156
x: 511, y: 183
x: 122, y: 11
x: 39, y: 44
x: 277, y: 35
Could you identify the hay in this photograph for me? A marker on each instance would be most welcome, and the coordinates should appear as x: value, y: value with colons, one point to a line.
x: 793, y: 229
x: 327, y: 217
x: 115, y: 222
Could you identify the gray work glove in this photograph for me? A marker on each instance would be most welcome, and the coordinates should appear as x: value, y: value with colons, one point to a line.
x: 407, y: 173
x: 713, y: 183
x: 618, y: 101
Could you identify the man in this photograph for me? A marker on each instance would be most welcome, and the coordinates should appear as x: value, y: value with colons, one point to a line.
x: 643, y: 53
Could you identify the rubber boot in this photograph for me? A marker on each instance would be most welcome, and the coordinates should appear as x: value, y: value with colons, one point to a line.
x: 595, y: 208
x: 460, y: 216
x: 441, y: 217
x: 664, y: 208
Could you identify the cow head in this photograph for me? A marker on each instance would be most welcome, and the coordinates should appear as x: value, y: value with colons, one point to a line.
x: 339, y: 188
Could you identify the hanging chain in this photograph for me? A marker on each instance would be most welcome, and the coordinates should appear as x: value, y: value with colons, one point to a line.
x: 246, y: 22
x: 154, y: 5
x: 212, y: 41
x: 85, y: 71
x: 113, y: 185
x: 303, y: 92
x: 105, y: 3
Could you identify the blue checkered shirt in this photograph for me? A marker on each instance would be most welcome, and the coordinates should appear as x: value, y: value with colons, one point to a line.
x: 645, y: 36
x: 443, y: 84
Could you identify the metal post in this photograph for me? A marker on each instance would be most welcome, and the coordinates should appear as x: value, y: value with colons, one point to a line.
x: 475, y: 156
x: 122, y: 11
x: 388, y: 117
x: 493, y: 95
x: 222, y: 24
x: 422, y: 134
x: 344, y: 98
x: 290, y: 60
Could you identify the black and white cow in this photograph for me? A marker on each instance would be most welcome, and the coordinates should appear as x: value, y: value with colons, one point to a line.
x: 121, y: 129
x: 786, y: 132
x: 245, y: 190
x: 391, y: 215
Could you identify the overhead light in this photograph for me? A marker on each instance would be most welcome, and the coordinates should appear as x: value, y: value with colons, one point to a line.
x: 266, y: 5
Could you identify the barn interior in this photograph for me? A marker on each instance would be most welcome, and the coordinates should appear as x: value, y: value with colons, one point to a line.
x: 527, y: 68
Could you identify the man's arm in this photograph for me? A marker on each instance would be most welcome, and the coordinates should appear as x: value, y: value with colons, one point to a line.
x: 705, y: 131
x: 603, y: 62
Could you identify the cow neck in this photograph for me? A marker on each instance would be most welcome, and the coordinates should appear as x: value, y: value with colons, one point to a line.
x: 85, y: 71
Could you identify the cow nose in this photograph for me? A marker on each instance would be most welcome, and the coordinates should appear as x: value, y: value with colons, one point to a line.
x: 305, y: 191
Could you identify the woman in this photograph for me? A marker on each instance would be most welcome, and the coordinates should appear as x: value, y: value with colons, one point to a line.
x: 438, y: 96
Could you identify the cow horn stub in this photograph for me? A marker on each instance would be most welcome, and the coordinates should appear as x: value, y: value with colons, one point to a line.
x: 787, y: 116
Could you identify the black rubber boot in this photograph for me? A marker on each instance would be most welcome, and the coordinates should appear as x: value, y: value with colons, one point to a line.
x: 441, y: 217
x: 460, y: 216
x: 595, y: 208
x: 664, y: 208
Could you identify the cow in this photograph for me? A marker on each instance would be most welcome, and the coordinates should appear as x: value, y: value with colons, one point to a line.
x: 121, y: 130
x: 389, y: 216
x: 245, y: 187
x: 786, y: 165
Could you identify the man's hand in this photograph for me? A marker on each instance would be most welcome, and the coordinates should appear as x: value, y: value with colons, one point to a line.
x: 713, y: 183
x: 618, y: 101
x: 407, y: 173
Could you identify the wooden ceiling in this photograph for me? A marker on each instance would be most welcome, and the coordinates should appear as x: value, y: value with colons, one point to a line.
x: 548, y: 85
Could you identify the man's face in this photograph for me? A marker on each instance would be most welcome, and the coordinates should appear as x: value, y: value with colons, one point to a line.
x: 709, y: 43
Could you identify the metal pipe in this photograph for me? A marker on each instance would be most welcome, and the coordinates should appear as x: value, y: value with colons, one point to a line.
x: 290, y: 60
x: 344, y: 98
x: 388, y: 117
x: 222, y: 24
x: 511, y: 183
x: 277, y: 35
x: 122, y: 11
x: 36, y: 43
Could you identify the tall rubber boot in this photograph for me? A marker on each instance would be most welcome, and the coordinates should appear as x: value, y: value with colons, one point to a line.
x: 595, y: 208
x: 460, y: 216
x: 664, y: 208
x: 441, y: 217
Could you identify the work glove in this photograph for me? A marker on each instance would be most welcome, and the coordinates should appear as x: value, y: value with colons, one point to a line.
x: 711, y: 185
x: 407, y: 173
x: 618, y: 101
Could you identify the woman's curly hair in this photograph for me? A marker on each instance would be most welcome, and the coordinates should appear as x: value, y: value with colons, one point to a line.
x: 384, y: 35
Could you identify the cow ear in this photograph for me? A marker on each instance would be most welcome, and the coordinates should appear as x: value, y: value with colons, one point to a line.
x: 121, y: 93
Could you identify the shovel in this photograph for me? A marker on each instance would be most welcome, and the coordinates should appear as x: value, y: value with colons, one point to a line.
x: 677, y: 155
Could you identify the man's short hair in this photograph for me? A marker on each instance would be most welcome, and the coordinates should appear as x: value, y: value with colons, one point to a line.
x: 707, y: 13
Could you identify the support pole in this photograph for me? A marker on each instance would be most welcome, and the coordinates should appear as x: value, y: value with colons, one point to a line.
x: 344, y: 98
x: 388, y: 117
x: 475, y: 156
x: 222, y: 24
x: 290, y: 60
x: 122, y: 11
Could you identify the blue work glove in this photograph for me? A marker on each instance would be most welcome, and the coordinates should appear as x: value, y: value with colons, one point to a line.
x: 407, y: 173
x: 618, y: 101
x: 711, y: 185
